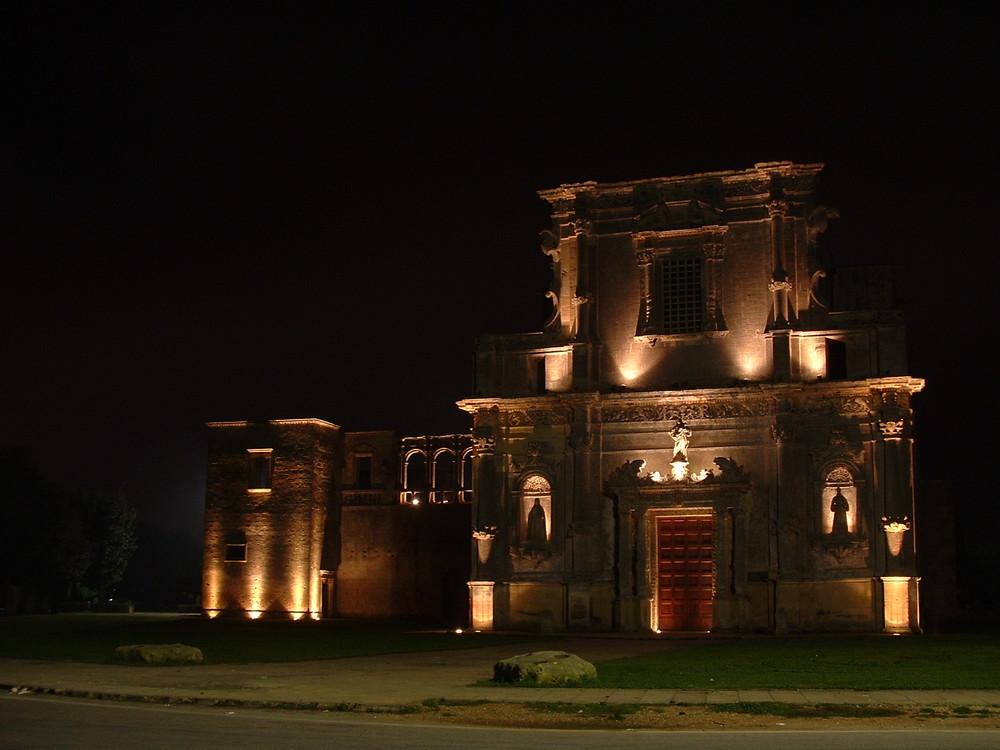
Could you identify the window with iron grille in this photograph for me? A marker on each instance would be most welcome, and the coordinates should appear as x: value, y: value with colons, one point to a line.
x: 682, y: 301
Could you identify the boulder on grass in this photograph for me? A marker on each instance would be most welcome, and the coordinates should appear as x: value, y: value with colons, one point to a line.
x: 159, y: 653
x: 544, y: 668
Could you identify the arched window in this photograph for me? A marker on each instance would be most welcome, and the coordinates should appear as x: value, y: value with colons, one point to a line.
x: 444, y: 476
x: 536, y: 510
x: 839, y: 503
x: 444, y: 470
x: 466, y: 470
x: 415, y: 476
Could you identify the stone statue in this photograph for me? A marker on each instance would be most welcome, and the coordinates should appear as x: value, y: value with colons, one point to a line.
x: 536, y: 524
x: 681, y: 436
x: 550, y: 244
x: 839, y: 507
x: 729, y: 470
x: 628, y: 472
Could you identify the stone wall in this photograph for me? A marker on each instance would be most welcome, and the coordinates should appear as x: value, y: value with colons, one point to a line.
x: 405, y: 561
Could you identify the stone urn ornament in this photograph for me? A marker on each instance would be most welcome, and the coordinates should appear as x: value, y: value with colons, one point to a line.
x: 484, y: 542
x: 894, y: 529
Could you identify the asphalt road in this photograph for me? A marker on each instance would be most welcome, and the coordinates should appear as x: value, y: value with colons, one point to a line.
x: 29, y: 721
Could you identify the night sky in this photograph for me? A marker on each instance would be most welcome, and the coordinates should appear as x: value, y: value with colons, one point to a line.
x: 226, y: 211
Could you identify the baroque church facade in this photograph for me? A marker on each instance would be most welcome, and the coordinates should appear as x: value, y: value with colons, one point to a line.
x: 713, y: 431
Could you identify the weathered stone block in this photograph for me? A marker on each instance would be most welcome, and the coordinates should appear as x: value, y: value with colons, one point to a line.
x: 162, y: 653
x: 544, y: 668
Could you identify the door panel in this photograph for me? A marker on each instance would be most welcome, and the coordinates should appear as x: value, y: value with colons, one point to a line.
x: 684, y: 572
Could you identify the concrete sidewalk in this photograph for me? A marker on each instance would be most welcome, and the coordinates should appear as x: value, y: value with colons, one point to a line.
x: 395, y: 681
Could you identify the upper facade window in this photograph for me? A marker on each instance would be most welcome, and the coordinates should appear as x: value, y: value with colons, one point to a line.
x: 682, y: 296
x: 260, y: 467
x: 680, y: 275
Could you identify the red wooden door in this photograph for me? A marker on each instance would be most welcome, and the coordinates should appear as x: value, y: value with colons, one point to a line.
x: 684, y: 572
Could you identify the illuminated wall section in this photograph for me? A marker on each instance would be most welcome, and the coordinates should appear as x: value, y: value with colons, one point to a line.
x: 281, y: 507
x: 900, y: 606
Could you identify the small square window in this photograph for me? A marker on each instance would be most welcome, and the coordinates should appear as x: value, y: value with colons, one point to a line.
x: 236, y: 546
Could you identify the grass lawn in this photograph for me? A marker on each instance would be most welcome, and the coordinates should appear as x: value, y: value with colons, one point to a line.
x: 861, y: 662
x: 93, y: 637
x: 856, y: 662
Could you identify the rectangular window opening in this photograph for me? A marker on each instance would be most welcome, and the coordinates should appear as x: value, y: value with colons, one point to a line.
x: 682, y: 297
x: 259, y: 469
x: 836, y: 360
x: 363, y: 472
x: 236, y: 546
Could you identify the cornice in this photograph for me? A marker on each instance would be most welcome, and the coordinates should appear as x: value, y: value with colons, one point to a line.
x: 848, y: 398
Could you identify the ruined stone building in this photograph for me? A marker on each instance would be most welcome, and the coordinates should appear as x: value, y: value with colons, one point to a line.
x: 713, y: 431
x: 303, y: 519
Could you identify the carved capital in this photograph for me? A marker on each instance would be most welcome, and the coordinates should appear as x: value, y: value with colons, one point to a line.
x: 484, y: 442
x: 779, y: 286
x: 892, y: 429
x: 714, y: 250
x: 777, y: 209
x: 780, y: 433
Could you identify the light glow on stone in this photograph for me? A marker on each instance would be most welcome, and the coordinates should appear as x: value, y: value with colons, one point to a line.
x: 896, y: 593
x: 482, y: 604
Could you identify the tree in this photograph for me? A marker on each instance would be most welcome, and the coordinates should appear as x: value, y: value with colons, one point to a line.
x: 113, y: 541
x: 58, y: 540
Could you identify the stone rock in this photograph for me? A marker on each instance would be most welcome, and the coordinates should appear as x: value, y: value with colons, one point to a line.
x: 162, y: 653
x: 544, y: 668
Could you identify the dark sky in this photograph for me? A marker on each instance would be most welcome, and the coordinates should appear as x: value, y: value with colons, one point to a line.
x: 250, y: 210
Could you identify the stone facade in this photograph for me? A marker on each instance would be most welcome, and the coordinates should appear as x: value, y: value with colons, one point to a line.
x: 713, y: 431
x: 715, y: 436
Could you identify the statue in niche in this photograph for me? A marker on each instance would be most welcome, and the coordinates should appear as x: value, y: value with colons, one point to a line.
x: 839, y: 507
x: 536, y: 524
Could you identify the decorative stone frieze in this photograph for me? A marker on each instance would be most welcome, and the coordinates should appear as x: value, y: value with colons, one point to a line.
x: 535, y: 417
x: 813, y: 403
x: 748, y: 407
